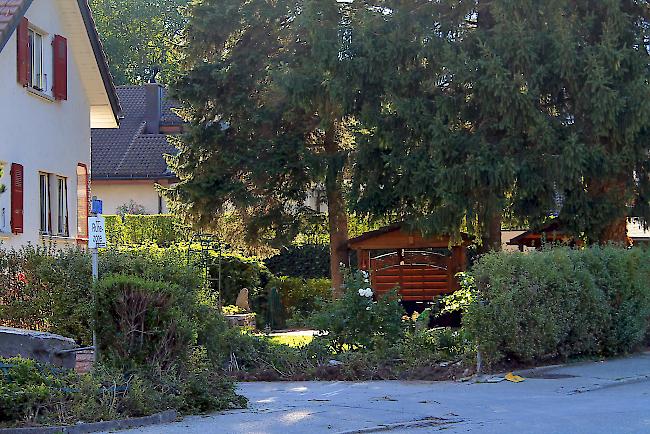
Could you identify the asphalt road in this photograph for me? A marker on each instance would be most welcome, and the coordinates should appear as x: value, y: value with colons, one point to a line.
x: 596, y: 397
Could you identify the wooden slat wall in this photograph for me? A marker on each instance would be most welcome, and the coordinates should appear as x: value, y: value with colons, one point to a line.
x: 415, y: 282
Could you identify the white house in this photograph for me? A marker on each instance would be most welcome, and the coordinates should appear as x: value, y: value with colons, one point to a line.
x: 55, y: 86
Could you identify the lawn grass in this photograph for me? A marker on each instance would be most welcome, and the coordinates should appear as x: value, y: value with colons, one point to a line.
x: 292, y: 340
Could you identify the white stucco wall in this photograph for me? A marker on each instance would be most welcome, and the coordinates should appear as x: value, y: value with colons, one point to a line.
x: 42, y: 135
x: 117, y: 193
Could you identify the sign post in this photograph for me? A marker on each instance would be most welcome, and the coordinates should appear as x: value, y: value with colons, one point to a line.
x: 96, y: 241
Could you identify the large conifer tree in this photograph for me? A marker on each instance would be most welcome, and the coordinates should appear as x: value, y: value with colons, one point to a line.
x: 266, y: 92
x: 501, y: 106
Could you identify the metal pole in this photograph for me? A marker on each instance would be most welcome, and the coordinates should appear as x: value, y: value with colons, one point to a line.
x: 95, y: 266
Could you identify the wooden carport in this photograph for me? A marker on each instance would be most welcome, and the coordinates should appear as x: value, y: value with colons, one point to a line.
x: 549, y: 234
x: 421, y: 268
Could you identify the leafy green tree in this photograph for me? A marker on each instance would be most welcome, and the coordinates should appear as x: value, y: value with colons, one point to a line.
x: 269, y: 102
x: 139, y: 37
x: 498, y: 108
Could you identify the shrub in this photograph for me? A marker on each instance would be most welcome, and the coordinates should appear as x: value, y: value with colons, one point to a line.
x: 560, y: 303
x: 144, y: 322
x: 239, y: 272
x: 356, y: 321
x: 310, y: 261
x: 48, y: 290
x: 35, y: 394
x: 301, y: 297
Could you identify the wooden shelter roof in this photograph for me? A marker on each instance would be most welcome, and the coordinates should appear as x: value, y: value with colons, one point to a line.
x: 551, y: 233
x: 395, y: 236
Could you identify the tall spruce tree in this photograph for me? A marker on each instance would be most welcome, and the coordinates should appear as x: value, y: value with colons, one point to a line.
x: 269, y: 103
x: 502, y: 106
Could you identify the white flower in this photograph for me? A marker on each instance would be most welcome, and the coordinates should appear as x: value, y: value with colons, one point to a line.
x: 365, y: 274
x: 368, y: 308
x: 365, y: 292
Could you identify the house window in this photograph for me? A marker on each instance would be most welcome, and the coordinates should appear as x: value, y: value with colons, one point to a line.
x: 54, y: 185
x: 36, y: 78
x: 62, y: 206
x: 44, y: 201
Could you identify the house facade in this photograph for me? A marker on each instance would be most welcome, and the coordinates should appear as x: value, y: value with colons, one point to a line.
x: 55, y: 86
x: 129, y: 163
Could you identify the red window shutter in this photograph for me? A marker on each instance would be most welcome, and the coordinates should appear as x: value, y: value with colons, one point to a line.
x: 17, y: 201
x: 83, y: 200
x: 60, y: 88
x: 23, y: 55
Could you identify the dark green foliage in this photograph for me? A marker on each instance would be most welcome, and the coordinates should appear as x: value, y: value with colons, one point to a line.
x: 139, y: 37
x: 301, y: 297
x: 309, y: 261
x: 560, y: 303
x: 45, y: 289
x: 239, y: 272
x: 478, y: 111
x: 265, y: 91
x: 50, y: 290
x: 144, y: 322
x: 356, y: 321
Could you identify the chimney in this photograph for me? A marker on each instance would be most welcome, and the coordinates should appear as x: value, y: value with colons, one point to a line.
x: 153, y: 107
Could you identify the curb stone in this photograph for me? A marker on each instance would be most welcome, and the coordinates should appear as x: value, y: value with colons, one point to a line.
x: 111, y: 425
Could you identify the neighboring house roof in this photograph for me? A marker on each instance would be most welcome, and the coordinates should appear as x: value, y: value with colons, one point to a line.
x: 129, y: 152
x: 12, y: 11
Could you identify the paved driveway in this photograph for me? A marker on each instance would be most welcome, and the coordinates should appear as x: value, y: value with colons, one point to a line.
x: 602, y: 397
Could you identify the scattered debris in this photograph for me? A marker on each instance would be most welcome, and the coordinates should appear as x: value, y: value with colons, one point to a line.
x: 514, y: 378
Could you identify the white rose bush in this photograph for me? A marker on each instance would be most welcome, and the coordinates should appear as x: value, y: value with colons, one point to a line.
x: 361, y: 318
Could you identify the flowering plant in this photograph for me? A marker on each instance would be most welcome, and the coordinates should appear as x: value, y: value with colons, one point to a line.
x: 360, y: 318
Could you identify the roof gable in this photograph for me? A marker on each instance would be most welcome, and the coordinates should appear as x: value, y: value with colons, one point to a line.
x: 88, y: 51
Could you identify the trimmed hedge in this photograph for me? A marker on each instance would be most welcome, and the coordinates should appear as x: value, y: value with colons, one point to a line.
x: 140, y: 230
x: 559, y: 303
x: 310, y: 261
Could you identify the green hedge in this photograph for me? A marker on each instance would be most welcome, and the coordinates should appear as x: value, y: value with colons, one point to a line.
x: 50, y: 290
x: 310, y: 261
x: 138, y: 230
x: 560, y: 303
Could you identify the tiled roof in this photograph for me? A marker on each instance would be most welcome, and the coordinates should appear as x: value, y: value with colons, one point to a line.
x: 128, y: 152
x: 11, y: 11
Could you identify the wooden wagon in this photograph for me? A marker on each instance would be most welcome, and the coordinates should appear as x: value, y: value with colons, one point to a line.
x: 420, y: 268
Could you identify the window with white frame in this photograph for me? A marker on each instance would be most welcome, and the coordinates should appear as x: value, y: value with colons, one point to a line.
x: 57, y: 186
x: 44, y: 203
x: 37, y: 79
x: 62, y: 206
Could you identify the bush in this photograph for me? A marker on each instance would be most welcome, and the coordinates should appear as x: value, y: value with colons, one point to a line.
x: 301, y: 297
x: 239, y: 272
x: 356, y: 321
x: 310, y: 261
x: 144, y: 322
x: 48, y: 290
x: 36, y: 394
x: 559, y: 303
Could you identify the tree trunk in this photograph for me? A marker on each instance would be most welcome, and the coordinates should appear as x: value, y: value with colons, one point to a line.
x: 615, y: 232
x: 337, y: 214
x: 492, y: 238
x: 611, y: 192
